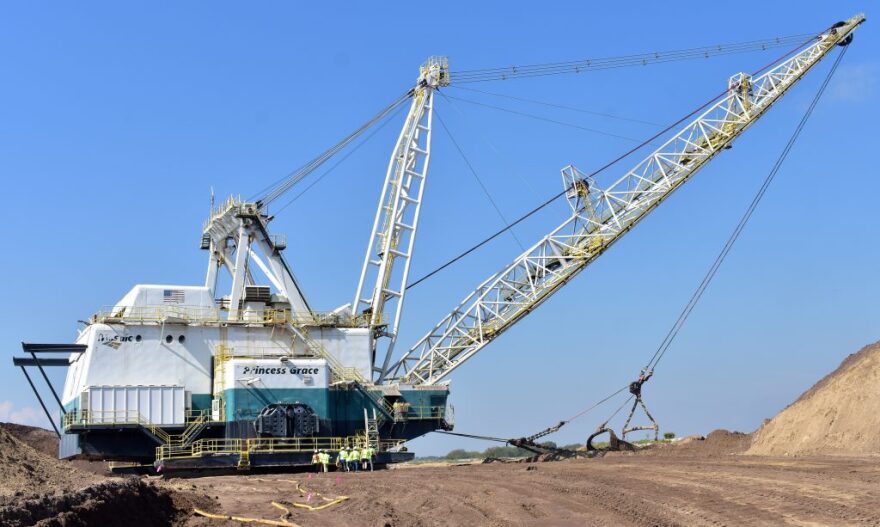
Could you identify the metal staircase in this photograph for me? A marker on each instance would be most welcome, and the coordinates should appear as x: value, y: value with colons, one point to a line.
x: 244, y: 460
x: 340, y: 373
x: 372, y: 430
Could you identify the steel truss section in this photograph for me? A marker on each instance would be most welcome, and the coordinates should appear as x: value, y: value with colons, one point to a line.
x: 246, y: 225
x: 387, y: 261
x: 600, y: 218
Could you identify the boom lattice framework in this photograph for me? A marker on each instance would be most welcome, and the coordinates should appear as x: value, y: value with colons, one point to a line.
x: 397, y: 217
x: 601, y: 217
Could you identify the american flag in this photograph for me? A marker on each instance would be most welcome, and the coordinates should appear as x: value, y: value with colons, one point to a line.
x: 173, y: 296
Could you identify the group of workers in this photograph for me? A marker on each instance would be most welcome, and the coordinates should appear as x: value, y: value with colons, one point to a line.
x: 350, y: 459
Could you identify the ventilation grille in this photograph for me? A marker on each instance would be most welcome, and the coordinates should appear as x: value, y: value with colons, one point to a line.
x: 257, y: 293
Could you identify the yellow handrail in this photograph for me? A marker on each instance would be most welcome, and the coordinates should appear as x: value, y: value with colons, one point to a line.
x: 113, y: 417
x: 268, y: 445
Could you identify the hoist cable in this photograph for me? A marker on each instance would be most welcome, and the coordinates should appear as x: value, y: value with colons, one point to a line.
x: 275, y: 190
x: 477, y: 177
x: 557, y: 105
x: 713, y: 269
x: 579, y: 66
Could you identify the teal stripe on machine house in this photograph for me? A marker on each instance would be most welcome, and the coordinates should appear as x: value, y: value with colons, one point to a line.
x: 245, y: 403
x: 335, y: 404
x: 201, y: 401
x: 348, y: 405
x: 424, y: 398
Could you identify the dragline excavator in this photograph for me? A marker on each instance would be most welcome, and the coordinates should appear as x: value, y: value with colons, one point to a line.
x: 188, y: 378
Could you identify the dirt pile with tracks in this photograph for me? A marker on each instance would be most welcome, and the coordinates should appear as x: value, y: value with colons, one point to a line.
x: 837, y: 416
x: 626, y: 490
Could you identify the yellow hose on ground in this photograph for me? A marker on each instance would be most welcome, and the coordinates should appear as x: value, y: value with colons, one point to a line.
x: 243, y: 519
x: 331, y: 501
x: 340, y: 499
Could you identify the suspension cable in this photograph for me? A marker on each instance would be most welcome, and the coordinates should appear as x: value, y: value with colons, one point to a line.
x: 579, y: 66
x: 545, y: 119
x: 477, y: 177
x: 341, y: 160
x: 278, y: 188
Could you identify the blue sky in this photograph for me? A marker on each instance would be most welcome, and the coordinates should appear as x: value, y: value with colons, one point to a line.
x: 117, y: 119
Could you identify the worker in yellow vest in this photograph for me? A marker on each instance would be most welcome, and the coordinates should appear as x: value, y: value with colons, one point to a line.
x: 342, y: 459
x: 316, y: 460
x: 354, y: 458
x: 367, y: 457
x: 325, y: 459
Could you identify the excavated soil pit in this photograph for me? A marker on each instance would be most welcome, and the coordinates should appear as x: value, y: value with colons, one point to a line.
x: 131, y: 502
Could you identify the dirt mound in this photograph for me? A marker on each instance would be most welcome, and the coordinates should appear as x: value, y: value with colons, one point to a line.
x: 24, y: 470
x: 46, y: 442
x: 131, y: 502
x: 837, y: 416
x: 39, y: 439
x: 717, y: 443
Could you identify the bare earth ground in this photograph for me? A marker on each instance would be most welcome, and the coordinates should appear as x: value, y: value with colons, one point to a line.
x: 694, y: 482
x: 830, y: 476
x: 615, y: 490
